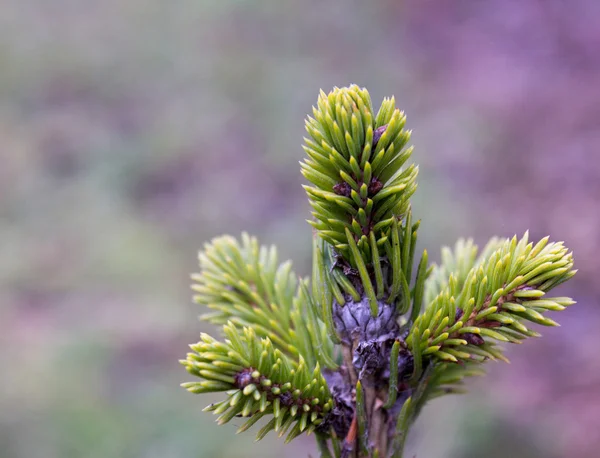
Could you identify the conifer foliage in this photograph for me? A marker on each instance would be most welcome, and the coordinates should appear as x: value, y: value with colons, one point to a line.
x: 354, y: 353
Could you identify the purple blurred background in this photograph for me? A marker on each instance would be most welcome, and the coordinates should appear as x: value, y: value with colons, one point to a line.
x: 133, y: 131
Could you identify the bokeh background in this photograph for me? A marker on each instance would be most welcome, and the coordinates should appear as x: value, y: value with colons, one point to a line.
x: 132, y: 131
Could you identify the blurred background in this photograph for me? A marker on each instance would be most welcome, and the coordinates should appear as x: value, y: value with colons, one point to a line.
x: 133, y: 131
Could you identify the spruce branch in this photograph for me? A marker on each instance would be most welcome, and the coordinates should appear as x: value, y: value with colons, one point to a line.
x: 493, y: 301
x: 457, y: 262
x: 355, y: 160
x: 259, y: 380
x: 244, y: 284
x: 357, y: 352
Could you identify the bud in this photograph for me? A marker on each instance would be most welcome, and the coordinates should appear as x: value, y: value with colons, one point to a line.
x: 353, y: 321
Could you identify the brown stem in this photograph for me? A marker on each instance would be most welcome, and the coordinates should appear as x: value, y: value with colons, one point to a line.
x: 376, y: 416
x: 379, y: 429
x: 350, y: 441
x: 347, y: 354
x: 351, y: 438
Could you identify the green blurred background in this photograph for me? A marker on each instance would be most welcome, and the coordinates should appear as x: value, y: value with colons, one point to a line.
x: 131, y: 132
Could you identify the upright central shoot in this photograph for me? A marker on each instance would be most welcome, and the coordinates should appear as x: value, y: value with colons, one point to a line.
x: 363, y: 256
x: 354, y: 356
